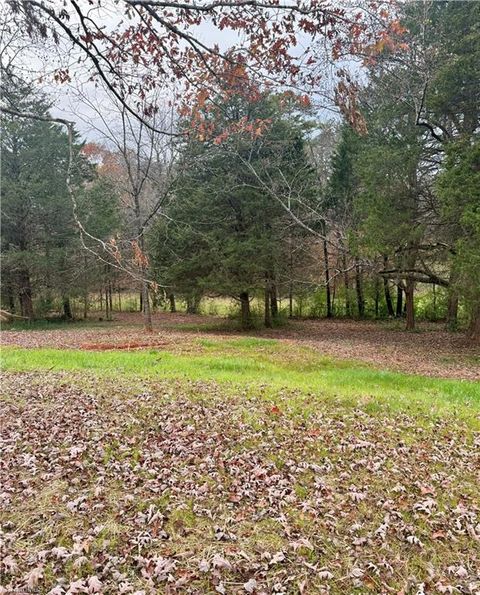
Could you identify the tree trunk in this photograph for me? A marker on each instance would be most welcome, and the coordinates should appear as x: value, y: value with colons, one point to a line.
x: 327, y: 279
x: 388, y: 298
x: 193, y: 303
x: 10, y: 297
x: 334, y: 294
x: 348, y: 308
x: 171, y: 298
x: 290, y: 274
x: 267, y: 308
x: 452, y: 311
x: 359, y: 289
x: 273, y: 299
x: 110, y: 296
x: 386, y: 290
x: 85, y: 287
x: 154, y: 300
x: 25, y: 294
x: 246, y: 317
x: 140, y: 309
x: 147, y: 314
x: 377, y: 296
x: 399, y: 305
x: 474, y: 326
x: 409, y: 303
x: 107, y: 305
x: 67, y: 309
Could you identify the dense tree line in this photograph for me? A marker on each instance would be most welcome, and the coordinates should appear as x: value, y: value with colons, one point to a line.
x: 223, y: 233
x: 44, y: 264
x: 329, y: 219
x: 422, y: 114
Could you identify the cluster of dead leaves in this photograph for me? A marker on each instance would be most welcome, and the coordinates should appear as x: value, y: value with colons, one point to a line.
x: 175, y: 487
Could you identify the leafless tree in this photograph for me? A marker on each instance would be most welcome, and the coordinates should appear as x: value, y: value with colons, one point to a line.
x: 143, y: 174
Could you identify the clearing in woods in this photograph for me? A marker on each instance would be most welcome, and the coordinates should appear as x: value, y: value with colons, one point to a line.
x: 325, y: 457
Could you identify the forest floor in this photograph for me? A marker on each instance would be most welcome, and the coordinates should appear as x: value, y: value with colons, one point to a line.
x: 325, y: 457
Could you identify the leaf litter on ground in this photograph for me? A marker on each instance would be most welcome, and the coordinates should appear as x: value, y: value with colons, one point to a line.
x: 109, y: 486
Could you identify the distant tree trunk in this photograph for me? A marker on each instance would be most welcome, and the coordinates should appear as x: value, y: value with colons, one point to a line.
x: 452, y: 310
x: 473, y: 332
x: 108, y: 314
x: 85, y: 287
x: 399, y: 305
x: 388, y: 298
x: 409, y: 303
x: 171, y: 299
x: 25, y: 294
x: 246, y: 317
x: 147, y: 314
x: 11, y: 301
x: 85, y: 305
x: 327, y: 278
x: 67, y: 309
x: 140, y: 308
x: 193, y: 303
x: 110, y: 296
x: 386, y: 290
x: 154, y: 297
x: 377, y: 295
x: 10, y: 297
x: 290, y: 274
x: 348, y: 308
x: 359, y: 288
x: 267, y: 308
x: 273, y: 298
x: 334, y: 294
x: 101, y: 299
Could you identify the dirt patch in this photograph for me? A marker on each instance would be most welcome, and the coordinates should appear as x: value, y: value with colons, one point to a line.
x: 130, y: 345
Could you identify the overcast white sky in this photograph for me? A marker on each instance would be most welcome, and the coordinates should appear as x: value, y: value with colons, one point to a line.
x: 39, y: 60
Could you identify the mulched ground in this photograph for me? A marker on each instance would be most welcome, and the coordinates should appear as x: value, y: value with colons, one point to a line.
x: 431, y: 351
x: 177, y: 487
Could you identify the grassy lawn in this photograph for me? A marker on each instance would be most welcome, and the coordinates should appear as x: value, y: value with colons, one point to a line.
x: 273, y: 365
x: 235, y: 466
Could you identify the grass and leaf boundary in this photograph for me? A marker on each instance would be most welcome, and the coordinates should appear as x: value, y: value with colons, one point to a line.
x: 270, y: 366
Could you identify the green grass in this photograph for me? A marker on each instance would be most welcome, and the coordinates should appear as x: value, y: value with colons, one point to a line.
x: 242, y: 342
x: 205, y: 327
x: 270, y: 366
